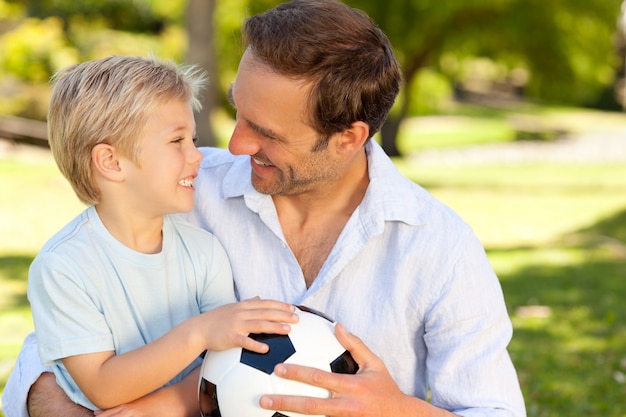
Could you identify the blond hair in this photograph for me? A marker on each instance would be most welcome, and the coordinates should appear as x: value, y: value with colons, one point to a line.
x: 108, y: 101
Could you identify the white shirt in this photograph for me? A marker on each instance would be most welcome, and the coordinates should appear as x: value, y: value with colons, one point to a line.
x: 406, y: 275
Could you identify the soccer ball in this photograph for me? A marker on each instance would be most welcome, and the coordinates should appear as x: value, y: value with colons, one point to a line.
x: 232, y: 381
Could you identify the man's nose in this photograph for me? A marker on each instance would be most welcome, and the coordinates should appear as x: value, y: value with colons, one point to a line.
x: 243, y: 142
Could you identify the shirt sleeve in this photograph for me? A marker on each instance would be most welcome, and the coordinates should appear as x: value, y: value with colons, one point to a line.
x: 27, y: 370
x: 217, y: 287
x: 469, y: 368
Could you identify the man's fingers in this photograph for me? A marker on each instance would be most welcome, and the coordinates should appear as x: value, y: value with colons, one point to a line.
x: 302, y: 405
x: 361, y: 354
x: 311, y: 376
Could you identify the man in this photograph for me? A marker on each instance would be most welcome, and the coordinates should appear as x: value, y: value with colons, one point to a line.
x: 313, y: 212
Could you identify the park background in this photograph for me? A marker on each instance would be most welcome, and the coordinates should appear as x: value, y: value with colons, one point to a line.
x: 512, y: 113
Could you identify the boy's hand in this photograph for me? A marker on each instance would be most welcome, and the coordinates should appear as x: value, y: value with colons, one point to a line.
x: 228, y: 326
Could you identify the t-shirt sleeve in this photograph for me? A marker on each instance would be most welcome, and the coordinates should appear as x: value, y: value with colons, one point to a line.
x: 68, y: 320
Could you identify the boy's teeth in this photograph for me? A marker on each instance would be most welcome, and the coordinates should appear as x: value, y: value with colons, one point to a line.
x: 186, y: 182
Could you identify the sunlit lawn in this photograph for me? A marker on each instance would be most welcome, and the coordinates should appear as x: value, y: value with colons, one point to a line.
x: 556, y: 235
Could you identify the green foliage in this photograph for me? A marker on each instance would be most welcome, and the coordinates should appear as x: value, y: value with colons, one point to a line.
x: 35, y: 49
x: 94, y: 40
x: 135, y: 16
x: 58, y: 33
x: 228, y: 19
x: 429, y: 92
x: 562, y: 51
x: 10, y: 10
x: 31, y: 52
x: 566, y: 46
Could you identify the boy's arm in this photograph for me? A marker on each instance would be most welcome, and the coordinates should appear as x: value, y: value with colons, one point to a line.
x: 109, y: 380
x: 177, y: 400
x: 47, y: 399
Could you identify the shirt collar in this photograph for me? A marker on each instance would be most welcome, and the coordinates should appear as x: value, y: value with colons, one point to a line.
x: 389, y: 197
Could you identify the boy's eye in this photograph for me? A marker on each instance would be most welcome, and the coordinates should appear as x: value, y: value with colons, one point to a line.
x: 195, y: 140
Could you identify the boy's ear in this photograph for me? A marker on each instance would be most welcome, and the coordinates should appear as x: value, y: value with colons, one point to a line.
x: 353, y: 138
x: 105, y: 160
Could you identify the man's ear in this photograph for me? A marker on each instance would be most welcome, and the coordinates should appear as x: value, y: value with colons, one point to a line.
x: 353, y: 138
x: 105, y: 160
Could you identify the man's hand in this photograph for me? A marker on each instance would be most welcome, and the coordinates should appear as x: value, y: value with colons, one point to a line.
x: 371, y: 392
x: 47, y: 399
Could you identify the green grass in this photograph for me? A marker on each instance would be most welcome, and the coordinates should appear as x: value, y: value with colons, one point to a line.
x: 555, y: 234
x: 467, y: 125
x: 440, y: 132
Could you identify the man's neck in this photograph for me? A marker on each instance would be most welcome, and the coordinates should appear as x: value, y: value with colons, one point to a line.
x: 312, y: 221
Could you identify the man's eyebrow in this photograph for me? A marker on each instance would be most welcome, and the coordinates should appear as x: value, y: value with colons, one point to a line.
x: 265, y: 132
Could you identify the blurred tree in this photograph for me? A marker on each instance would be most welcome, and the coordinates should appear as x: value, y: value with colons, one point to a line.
x: 94, y: 28
x: 566, y: 46
x: 35, y: 49
x: 149, y: 16
x: 561, y: 50
x: 201, y: 51
x: 39, y: 37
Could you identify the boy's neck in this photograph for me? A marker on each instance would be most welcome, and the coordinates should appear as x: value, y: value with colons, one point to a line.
x: 139, y: 233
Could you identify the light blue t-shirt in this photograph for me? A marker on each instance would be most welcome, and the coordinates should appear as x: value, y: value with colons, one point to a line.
x: 90, y: 293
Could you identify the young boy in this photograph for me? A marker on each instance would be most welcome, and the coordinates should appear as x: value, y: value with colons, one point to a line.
x: 126, y: 297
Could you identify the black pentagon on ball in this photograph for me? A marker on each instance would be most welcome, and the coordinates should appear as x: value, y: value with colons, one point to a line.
x: 316, y: 312
x: 280, y: 350
x: 344, y: 364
